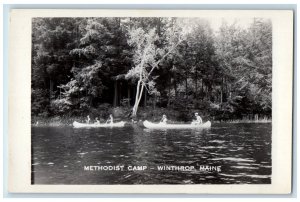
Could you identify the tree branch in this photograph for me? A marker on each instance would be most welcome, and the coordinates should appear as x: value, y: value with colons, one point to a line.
x: 157, y: 63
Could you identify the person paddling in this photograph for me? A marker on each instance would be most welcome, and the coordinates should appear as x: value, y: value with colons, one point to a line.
x: 97, y: 121
x: 198, y: 119
x: 164, y: 119
x: 88, y: 119
x: 111, y: 119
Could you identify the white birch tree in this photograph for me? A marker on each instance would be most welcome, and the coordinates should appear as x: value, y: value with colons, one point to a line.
x: 148, y: 56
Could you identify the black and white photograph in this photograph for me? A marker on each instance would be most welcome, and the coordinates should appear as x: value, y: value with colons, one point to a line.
x: 151, y: 100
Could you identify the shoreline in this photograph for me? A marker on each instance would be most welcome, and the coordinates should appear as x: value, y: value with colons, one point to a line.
x: 55, y: 123
x: 174, y: 116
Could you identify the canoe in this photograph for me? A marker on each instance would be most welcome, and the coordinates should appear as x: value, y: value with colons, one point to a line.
x: 150, y: 125
x: 95, y: 125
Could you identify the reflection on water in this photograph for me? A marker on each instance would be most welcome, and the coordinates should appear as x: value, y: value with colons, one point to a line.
x: 243, y: 151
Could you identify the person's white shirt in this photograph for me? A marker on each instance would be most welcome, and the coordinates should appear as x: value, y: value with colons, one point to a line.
x: 164, y: 120
x: 88, y: 119
x: 198, y: 119
x: 110, y: 120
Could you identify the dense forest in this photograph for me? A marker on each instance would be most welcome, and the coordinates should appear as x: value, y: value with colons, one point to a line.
x: 134, y: 67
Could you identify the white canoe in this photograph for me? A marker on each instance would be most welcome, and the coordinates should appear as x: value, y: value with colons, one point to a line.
x: 150, y: 125
x: 101, y: 125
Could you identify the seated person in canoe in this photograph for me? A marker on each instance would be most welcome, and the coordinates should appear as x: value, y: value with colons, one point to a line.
x: 88, y: 119
x: 163, y: 120
x: 97, y: 121
x: 198, y: 120
x: 110, y: 120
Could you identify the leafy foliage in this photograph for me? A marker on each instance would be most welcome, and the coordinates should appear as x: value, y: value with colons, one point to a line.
x: 80, y: 64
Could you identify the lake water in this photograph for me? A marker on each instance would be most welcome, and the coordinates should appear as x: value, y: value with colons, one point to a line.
x: 227, y: 153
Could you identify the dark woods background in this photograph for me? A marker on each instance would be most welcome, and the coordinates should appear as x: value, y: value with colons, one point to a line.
x: 92, y: 66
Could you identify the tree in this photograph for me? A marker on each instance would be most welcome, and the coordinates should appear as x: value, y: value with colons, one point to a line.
x: 102, y: 54
x: 52, y: 39
x: 245, y: 57
x: 147, y: 56
x: 81, y: 64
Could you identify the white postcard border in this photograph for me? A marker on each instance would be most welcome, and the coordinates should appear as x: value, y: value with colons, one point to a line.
x: 20, y: 92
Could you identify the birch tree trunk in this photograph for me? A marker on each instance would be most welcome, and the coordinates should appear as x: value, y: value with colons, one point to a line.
x: 138, y: 97
x: 145, y: 54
